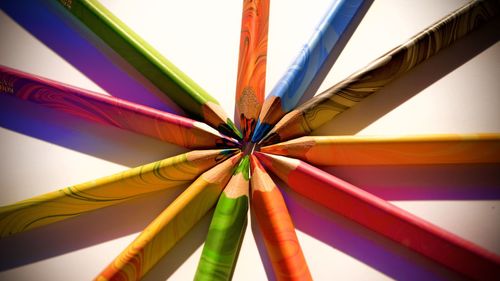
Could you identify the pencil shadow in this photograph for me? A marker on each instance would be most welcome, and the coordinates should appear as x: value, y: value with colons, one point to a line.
x: 182, y: 250
x: 425, y: 182
x: 102, y: 141
x: 261, y: 247
x: 333, y: 56
x: 364, y: 245
x: 397, y: 92
x: 55, y: 27
x: 83, y: 231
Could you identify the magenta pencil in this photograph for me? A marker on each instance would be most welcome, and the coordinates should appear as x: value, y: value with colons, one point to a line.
x: 111, y: 111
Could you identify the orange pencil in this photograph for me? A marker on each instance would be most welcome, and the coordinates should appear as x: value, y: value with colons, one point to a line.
x: 277, y: 227
x: 251, y: 81
x: 170, y: 225
x: 391, y: 150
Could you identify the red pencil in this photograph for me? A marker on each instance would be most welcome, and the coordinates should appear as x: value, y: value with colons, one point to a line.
x: 111, y: 111
x: 277, y: 227
x: 385, y: 218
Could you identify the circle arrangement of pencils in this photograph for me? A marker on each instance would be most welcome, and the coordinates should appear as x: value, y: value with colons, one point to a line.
x: 229, y: 171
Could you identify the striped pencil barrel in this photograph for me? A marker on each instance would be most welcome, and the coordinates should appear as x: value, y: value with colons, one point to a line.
x: 250, y: 86
x: 170, y: 225
x: 151, y: 64
x: 276, y: 225
x: 391, y: 150
x: 296, y: 80
x: 82, y: 198
x: 225, y: 235
x: 349, y: 92
x: 383, y: 217
x: 111, y: 111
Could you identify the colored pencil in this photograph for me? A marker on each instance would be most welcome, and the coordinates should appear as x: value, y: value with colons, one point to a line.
x: 111, y: 111
x: 287, y: 93
x: 385, y: 218
x: 347, y: 93
x: 228, y: 225
x: 170, y: 225
x: 251, y: 83
x: 151, y: 64
x: 391, y: 150
x: 82, y: 198
x: 274, y: 221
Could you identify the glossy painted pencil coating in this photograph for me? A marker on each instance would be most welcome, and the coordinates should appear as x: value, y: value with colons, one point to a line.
x: 347, y: 93
x: 171, y: 225
x: 274, y: 221
x: 75, y: 200
x: 111, y: 111
x: 250, y: 86
x: 225, y: 234
x: 391, y: 150
x: 385, y: 218
x: 150, y: 63
x: 299, y: 76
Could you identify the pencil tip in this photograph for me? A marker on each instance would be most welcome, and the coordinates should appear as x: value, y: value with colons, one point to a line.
x: 273, y: 149
x: 229, y: 129
x: 260, y: 131
x: 243, y: 167
x: 270, y: 139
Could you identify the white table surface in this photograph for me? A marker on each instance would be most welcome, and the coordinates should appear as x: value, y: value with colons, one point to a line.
x: 41, y: 150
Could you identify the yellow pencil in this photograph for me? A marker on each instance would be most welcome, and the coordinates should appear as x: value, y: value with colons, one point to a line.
x: 82, y: 198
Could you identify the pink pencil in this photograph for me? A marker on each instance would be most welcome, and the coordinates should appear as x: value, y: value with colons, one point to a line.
x: 111, y: 111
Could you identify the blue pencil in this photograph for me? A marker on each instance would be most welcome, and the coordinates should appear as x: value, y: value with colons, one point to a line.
x: 292, y: 86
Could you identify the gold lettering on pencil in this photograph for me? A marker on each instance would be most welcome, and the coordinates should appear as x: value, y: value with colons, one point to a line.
x: 67, y: 3
x: 6, y: 86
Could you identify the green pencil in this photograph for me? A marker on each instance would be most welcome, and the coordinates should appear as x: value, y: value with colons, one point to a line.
x: 225, y: 234
x: 150, y: 63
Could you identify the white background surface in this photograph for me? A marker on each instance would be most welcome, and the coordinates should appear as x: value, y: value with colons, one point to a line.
x: 41, y: 150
